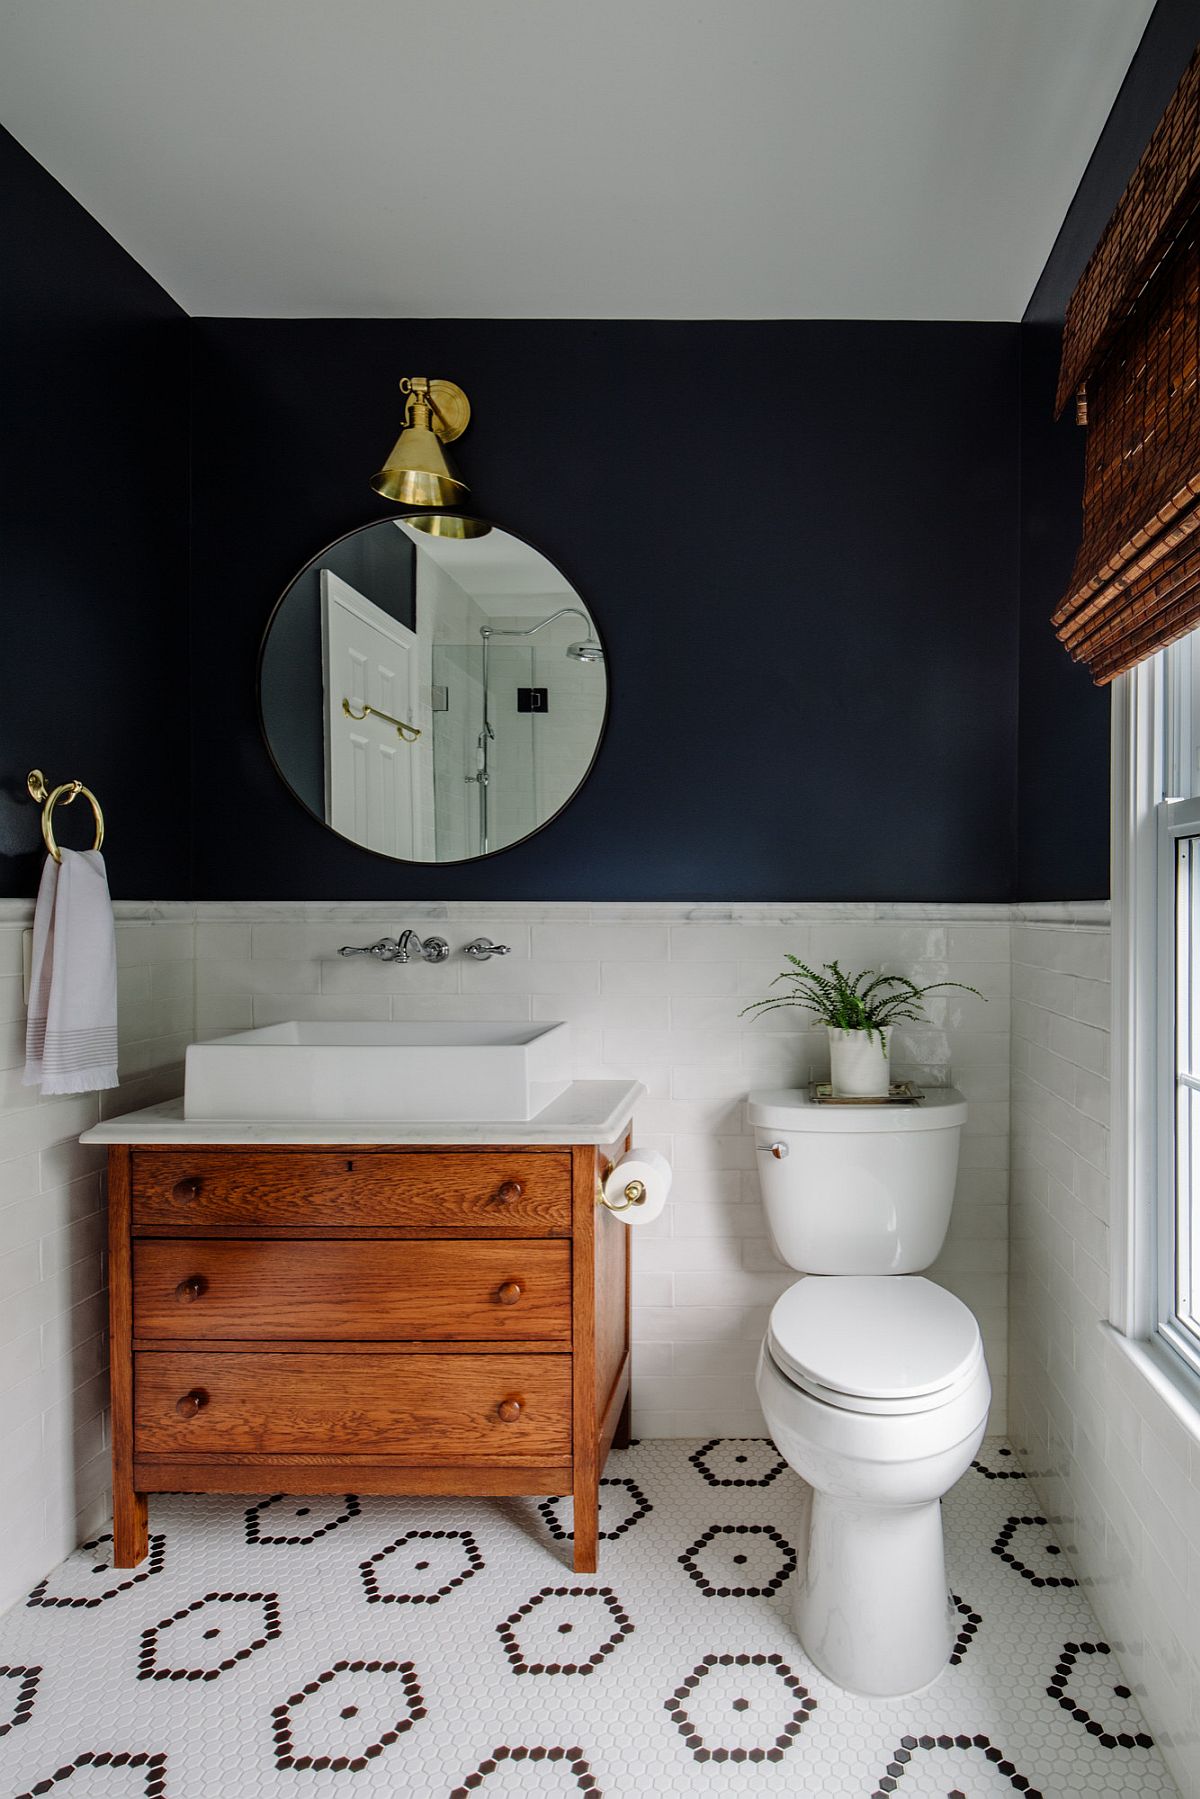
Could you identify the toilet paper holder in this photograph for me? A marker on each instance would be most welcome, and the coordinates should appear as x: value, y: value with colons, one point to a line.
x: 634, y: 1193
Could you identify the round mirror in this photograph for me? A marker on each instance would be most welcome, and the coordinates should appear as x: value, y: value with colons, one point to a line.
x: 433, y: 695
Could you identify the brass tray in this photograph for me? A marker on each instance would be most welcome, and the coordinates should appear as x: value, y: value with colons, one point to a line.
x: 900, y: 1093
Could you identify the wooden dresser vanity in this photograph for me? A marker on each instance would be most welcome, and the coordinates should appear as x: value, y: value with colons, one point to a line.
x: 365, y: 1317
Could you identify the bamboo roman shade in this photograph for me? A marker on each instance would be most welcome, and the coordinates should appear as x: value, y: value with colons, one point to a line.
x: 1131, y: 357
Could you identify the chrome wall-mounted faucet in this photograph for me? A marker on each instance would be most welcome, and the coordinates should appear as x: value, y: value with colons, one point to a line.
x: 401, y: 949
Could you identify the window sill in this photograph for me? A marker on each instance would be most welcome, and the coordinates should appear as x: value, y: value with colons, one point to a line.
x: 1175, y: 1384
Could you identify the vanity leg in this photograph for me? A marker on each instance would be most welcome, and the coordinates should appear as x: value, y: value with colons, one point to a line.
x: 130, y: 1538
x: 587, y: 1526
x: 130, y: 1531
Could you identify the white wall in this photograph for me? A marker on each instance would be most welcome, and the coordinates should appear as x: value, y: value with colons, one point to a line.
x: 1114, y: 1469
x: 654, y: 991
x: 54, y: 1450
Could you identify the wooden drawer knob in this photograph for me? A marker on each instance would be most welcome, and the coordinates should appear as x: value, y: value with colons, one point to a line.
x: 509, y: 1410
x: 191, y: 1289
x: 506, y: 1192
x: 509, y: 1293
x: 191, y: 1403
x: 186, y: 1189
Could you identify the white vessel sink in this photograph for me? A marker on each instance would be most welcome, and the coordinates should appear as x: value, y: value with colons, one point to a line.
x: 379, y: 1071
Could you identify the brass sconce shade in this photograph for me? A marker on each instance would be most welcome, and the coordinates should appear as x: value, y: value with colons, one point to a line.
x: 418, y: 472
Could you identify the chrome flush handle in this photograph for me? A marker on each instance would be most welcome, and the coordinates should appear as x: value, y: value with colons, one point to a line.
x: 778, y: 1150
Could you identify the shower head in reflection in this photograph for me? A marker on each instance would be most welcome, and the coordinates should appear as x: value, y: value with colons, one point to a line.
x: 589, y: 650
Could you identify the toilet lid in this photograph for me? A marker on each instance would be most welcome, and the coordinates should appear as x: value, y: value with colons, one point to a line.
x: 874, y: 1337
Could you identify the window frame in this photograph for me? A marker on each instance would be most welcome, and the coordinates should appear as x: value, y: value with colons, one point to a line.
x: 1152, y: 759
x: 1178, y: 819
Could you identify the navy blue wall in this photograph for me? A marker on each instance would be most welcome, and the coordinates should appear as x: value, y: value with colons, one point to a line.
x: 799, y: 540
x: 1062, y: 786
x: 833, y: 671
x: 93, y: 540
x: 1063, y: 746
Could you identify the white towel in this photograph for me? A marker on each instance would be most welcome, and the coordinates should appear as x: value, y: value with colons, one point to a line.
x: 71, y: 1035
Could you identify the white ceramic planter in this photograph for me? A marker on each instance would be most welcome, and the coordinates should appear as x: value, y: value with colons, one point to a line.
x: 859, y: 1066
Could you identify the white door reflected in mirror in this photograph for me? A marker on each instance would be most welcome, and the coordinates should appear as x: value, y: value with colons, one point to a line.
x: 373, y: 776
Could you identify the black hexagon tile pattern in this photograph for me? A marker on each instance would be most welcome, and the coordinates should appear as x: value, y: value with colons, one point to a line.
x: 347, y: 1715
x: 301, y: 1648
x: 18, y: 1689
x: 203, y: 1640
x: 292, y: 1522
x: 93, y: 1579
x: 738, y: 1462
x: 1088, y: 1685
x: 998, y: 1463
x: 622, y: 1505
x: 1027, y: 1546
x: 739, y: 1561
x: 421, y: 1567
x: 564, y: 1630
x: 740, y: 1708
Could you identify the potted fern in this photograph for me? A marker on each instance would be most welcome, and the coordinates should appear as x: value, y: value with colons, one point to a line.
x: 859, y: 1012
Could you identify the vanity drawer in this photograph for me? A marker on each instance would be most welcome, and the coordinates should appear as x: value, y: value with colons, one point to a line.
x: 426, y: 1409
x: 500, y: 1192
x: 394, y: 1290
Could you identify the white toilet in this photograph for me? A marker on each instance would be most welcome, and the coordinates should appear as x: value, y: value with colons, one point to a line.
x: 872, y: 1381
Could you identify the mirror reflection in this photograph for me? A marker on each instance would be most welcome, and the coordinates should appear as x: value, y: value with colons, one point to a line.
x: 432, y: 697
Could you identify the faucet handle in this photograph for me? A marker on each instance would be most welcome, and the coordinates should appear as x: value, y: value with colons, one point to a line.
x: 385, y: 950
x: 482, y: 949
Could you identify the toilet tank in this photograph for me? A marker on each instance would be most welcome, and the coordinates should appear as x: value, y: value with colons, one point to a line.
x: 860, y: 1189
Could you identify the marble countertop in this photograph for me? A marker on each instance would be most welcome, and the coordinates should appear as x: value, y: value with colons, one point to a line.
x: 588, y: 1112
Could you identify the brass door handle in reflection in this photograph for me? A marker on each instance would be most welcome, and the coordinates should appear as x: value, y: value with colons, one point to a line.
x: 407, y: 733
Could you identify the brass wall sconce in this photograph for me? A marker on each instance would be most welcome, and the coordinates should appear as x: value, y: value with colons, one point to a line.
x: 418, y: 472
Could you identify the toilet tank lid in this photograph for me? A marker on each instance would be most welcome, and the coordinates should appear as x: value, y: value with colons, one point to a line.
x: 794, y: 1109
x: 883, y: 1336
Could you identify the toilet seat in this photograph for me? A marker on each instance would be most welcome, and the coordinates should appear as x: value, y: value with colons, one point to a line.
x: 884, y: 1344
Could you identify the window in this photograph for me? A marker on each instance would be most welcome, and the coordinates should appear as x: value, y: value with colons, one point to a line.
x: 1177, y: 1220
x: 1156, y: 994
x: 1179, y: 1178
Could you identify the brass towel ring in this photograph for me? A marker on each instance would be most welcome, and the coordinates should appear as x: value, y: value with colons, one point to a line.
x: 49, y: 798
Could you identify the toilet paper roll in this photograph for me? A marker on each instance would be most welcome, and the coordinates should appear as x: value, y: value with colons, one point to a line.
x: 636, y: 1186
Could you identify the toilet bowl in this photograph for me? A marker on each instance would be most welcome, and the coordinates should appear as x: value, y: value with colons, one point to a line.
x: 872, y: 1380
x: 871, y: 1606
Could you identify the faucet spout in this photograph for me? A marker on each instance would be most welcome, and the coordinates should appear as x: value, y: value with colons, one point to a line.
x: 434, y: 949
x: 400, y: 949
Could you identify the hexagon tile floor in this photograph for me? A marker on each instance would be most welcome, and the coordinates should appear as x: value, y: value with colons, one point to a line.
x: 406, y: 1646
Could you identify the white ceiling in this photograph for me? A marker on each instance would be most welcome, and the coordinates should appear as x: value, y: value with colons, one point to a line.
x: 573, y: 158
x: 502, y: 574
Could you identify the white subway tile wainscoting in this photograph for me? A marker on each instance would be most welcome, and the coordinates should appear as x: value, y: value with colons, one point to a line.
x: 654, y: 992
x: 53, y: 1300
x: 1116, y: 1472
